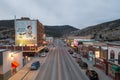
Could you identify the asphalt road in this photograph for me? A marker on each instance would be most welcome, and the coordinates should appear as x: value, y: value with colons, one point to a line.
x: 59, y: 65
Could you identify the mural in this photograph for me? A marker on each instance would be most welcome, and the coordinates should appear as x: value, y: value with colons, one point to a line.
x: 25, y: 32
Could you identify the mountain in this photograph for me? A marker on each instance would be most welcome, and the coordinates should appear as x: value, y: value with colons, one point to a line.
x: 59, y: 31
x: 7, y: 30
x: 105, y: 31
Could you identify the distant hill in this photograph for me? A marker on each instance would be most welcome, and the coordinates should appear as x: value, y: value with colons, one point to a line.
x: 59, y: 31
x: 7, y: 30
x: 104, y: 31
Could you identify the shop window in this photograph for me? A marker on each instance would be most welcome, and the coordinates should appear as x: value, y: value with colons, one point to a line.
x: 119, y: 58
x: 112, y: 56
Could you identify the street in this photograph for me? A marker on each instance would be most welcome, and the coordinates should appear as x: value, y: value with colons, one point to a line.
x: 59, y: 65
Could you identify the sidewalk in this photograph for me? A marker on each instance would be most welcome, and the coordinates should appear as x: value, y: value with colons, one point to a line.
x: 101, y: 74
x: 22, y: 74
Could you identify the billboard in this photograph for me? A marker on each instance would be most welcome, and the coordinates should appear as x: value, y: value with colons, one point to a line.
x: 26, y: 32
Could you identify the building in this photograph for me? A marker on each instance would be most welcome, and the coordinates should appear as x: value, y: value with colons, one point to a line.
x: 114, y: 60
x: 101, y: 56
x: 10, y: 63
x: 49, y: 39
x: 28, y: 32
x: 28, y: 35
x: 96, y: 53
x: 71, y: 39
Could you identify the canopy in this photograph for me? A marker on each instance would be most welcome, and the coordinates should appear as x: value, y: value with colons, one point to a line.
x: 115, y: 68
x: 14, y: 64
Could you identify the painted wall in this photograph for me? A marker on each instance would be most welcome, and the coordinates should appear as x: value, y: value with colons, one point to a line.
x: 25, y: 32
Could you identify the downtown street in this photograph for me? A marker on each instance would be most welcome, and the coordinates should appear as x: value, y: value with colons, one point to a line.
x: 59, y: 65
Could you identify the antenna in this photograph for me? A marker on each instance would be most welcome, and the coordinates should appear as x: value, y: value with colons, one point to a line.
x: 15, y: 27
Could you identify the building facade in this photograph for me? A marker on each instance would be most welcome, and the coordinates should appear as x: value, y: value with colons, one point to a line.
x: 114, y: 60
x: 10, y: 63
x: 28, y: 32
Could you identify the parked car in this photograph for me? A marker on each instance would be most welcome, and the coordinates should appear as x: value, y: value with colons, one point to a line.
x: 35, y: 65
x: 74, y: 55
x: 79, y: 60
x: 92, y: 74
x: 46, y: 50
x: 42, y: 55
x: 83, y: 65
x: 70, y: 51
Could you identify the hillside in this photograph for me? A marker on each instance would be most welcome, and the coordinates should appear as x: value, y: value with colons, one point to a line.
x: 7, y: 30
x: 59, y: 31
x: 104, y: 31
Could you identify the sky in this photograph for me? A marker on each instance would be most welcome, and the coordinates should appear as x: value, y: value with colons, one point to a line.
x: 77, y: 13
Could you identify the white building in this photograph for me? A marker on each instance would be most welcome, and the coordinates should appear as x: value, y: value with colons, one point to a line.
x: 10, y: 63
x: 114, y: 60
x: 49, y: 39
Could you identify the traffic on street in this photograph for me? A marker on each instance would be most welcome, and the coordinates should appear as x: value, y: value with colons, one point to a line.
x: 60, y: 65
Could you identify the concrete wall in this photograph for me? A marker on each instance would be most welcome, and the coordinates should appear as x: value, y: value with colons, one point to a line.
x: 6, y: 62
x: 18, y: 57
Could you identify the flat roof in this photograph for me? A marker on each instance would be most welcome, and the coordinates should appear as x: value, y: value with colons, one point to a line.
x: 116, y: 43
x: 2, y: 50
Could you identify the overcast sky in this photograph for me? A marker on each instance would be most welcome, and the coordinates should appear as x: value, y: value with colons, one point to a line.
x: 77, y: 13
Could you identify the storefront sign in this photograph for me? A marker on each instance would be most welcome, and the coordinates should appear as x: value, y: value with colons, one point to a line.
x: 97, y: 54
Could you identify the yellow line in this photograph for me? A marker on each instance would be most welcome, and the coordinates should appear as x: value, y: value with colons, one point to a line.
x: 59, y: 72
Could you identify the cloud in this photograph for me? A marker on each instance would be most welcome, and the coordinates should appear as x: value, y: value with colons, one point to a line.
x: 78, y: 13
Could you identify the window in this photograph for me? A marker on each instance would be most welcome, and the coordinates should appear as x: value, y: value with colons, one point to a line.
x: 112, y: 55
x: 119, y: 58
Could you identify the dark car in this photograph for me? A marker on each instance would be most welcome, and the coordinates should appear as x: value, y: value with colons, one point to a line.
x: 83, y: 65
x: 92, y: 74
x: 70, y: 51
x: 79, y: 60
x: 46, y: 50
x: 35, y: 65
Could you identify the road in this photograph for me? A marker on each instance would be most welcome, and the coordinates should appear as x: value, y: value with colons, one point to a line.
x: 59, y: 65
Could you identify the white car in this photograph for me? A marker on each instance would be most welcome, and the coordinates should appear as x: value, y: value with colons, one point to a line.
x: 74, y: 55
x: 43, y: 55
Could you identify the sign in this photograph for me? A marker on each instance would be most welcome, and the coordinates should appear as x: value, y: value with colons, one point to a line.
x: 97, y: 54
x: 25, y: 32
x: 115, y: 68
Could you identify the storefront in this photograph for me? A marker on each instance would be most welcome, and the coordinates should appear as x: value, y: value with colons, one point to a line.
x: 91, y: 57
x: 101, y: 64
x: 101, y: 58
x: 114, y: 71
x: 114, y: 60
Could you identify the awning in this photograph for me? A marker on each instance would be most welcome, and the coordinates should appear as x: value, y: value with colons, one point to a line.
x: 115, y: 68
x: 14, y: 64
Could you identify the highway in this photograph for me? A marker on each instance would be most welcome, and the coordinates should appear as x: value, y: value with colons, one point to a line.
x: 59, y: 65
